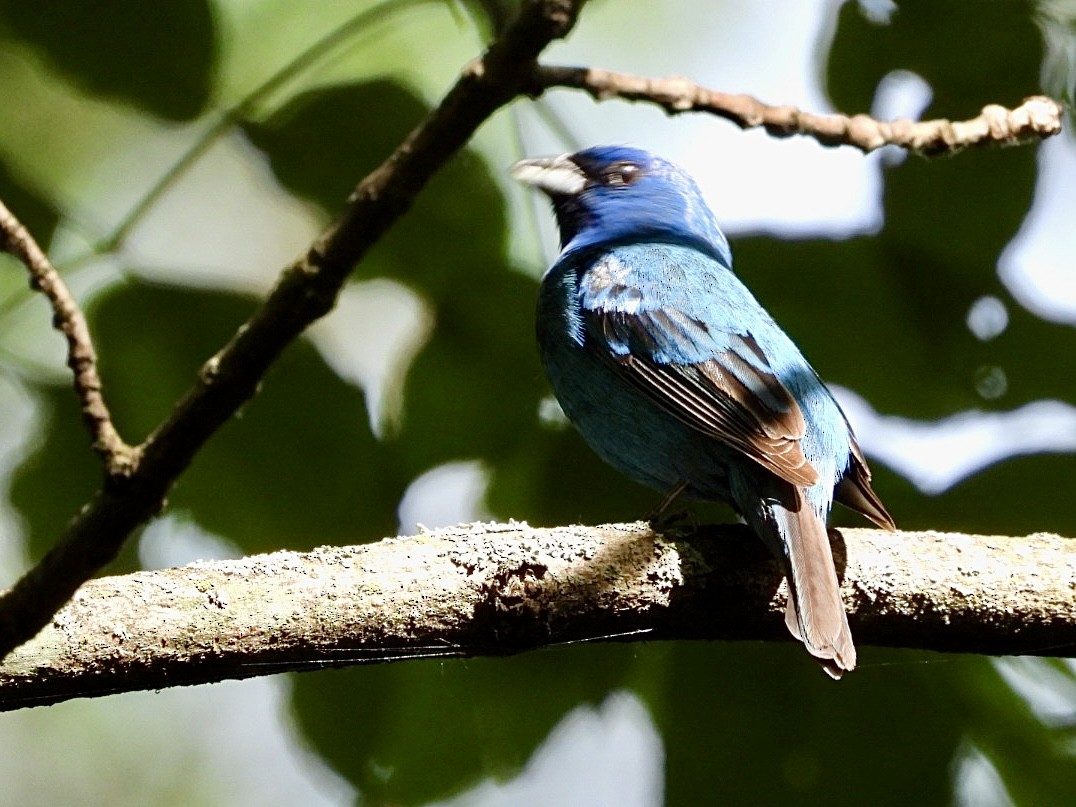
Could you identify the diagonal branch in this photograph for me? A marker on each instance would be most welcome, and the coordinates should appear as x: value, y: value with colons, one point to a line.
x: 68, y: 318
x: 305, y: 291
x: 491, y: 589
x: 1036, y: 118
x: 234, y: 115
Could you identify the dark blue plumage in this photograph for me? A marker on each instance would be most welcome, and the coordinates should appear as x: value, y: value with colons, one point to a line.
x: 676, y: 376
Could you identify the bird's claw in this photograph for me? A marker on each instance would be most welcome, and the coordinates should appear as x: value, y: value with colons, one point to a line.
x: 678, y: 524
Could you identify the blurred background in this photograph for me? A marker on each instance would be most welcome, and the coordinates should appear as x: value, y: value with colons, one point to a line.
x: 173, y: 157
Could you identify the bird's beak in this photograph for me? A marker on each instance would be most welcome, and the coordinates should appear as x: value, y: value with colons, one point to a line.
x: 556, y: 176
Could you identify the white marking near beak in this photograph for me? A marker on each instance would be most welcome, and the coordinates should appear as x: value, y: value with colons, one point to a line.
x: 556, y: 176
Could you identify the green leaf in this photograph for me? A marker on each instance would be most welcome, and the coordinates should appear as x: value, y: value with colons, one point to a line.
x: 59, y: 475
x: 323, y: 142
x: 297, y: 467
x: 1034, y: 760
x: 159, y: 57
x: 409, y: 733
x: 1017, y: 496
x: 474, y: 389
x: 36, y: 214
x: 40, y: 218
x: 761, y: 724
x: 971, y: 53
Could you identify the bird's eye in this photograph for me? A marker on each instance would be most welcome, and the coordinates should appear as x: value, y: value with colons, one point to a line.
x: 621, y: 174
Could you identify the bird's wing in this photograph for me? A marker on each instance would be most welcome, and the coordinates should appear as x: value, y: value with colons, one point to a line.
x: 855, y: 491
x: 721, y: 384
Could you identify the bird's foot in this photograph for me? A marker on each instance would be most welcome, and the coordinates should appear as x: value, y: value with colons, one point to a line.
x: 680, y: 524
x: 675, y: 524
x: 657, y: 516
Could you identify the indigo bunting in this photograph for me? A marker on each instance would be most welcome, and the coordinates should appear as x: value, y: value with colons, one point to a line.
x: 677, y: 377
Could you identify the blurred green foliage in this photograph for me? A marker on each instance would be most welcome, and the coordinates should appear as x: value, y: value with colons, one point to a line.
x: 158, y: 57
x: 885, y: 315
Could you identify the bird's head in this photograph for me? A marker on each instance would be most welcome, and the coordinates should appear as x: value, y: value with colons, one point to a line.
x: 616, y: 194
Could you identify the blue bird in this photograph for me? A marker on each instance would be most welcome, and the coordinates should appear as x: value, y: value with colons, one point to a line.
x: 677, y: 377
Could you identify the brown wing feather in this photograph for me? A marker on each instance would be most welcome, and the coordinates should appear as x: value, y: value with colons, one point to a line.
x: 855, y: 491
x: 711, y: 397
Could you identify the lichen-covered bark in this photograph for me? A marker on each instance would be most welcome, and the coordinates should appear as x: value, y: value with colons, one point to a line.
x: 490, y: 589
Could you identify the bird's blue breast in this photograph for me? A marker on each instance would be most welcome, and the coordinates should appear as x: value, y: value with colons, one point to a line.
x: 620, y: 424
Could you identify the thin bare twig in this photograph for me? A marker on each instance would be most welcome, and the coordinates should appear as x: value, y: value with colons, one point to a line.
x: 1036, y: 118
x: 305, y: 291
x: 69, y: 320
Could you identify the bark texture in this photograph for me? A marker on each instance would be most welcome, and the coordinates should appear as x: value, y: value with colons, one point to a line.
x: 492, y: 589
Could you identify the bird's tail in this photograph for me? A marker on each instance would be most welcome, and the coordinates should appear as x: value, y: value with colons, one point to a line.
x: 815, y: 613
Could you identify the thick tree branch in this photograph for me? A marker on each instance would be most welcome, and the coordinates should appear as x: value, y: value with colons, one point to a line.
x: 489, y: 589
x: 69, y: 320
x: 305, y: 291
x: 1036, y: 118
